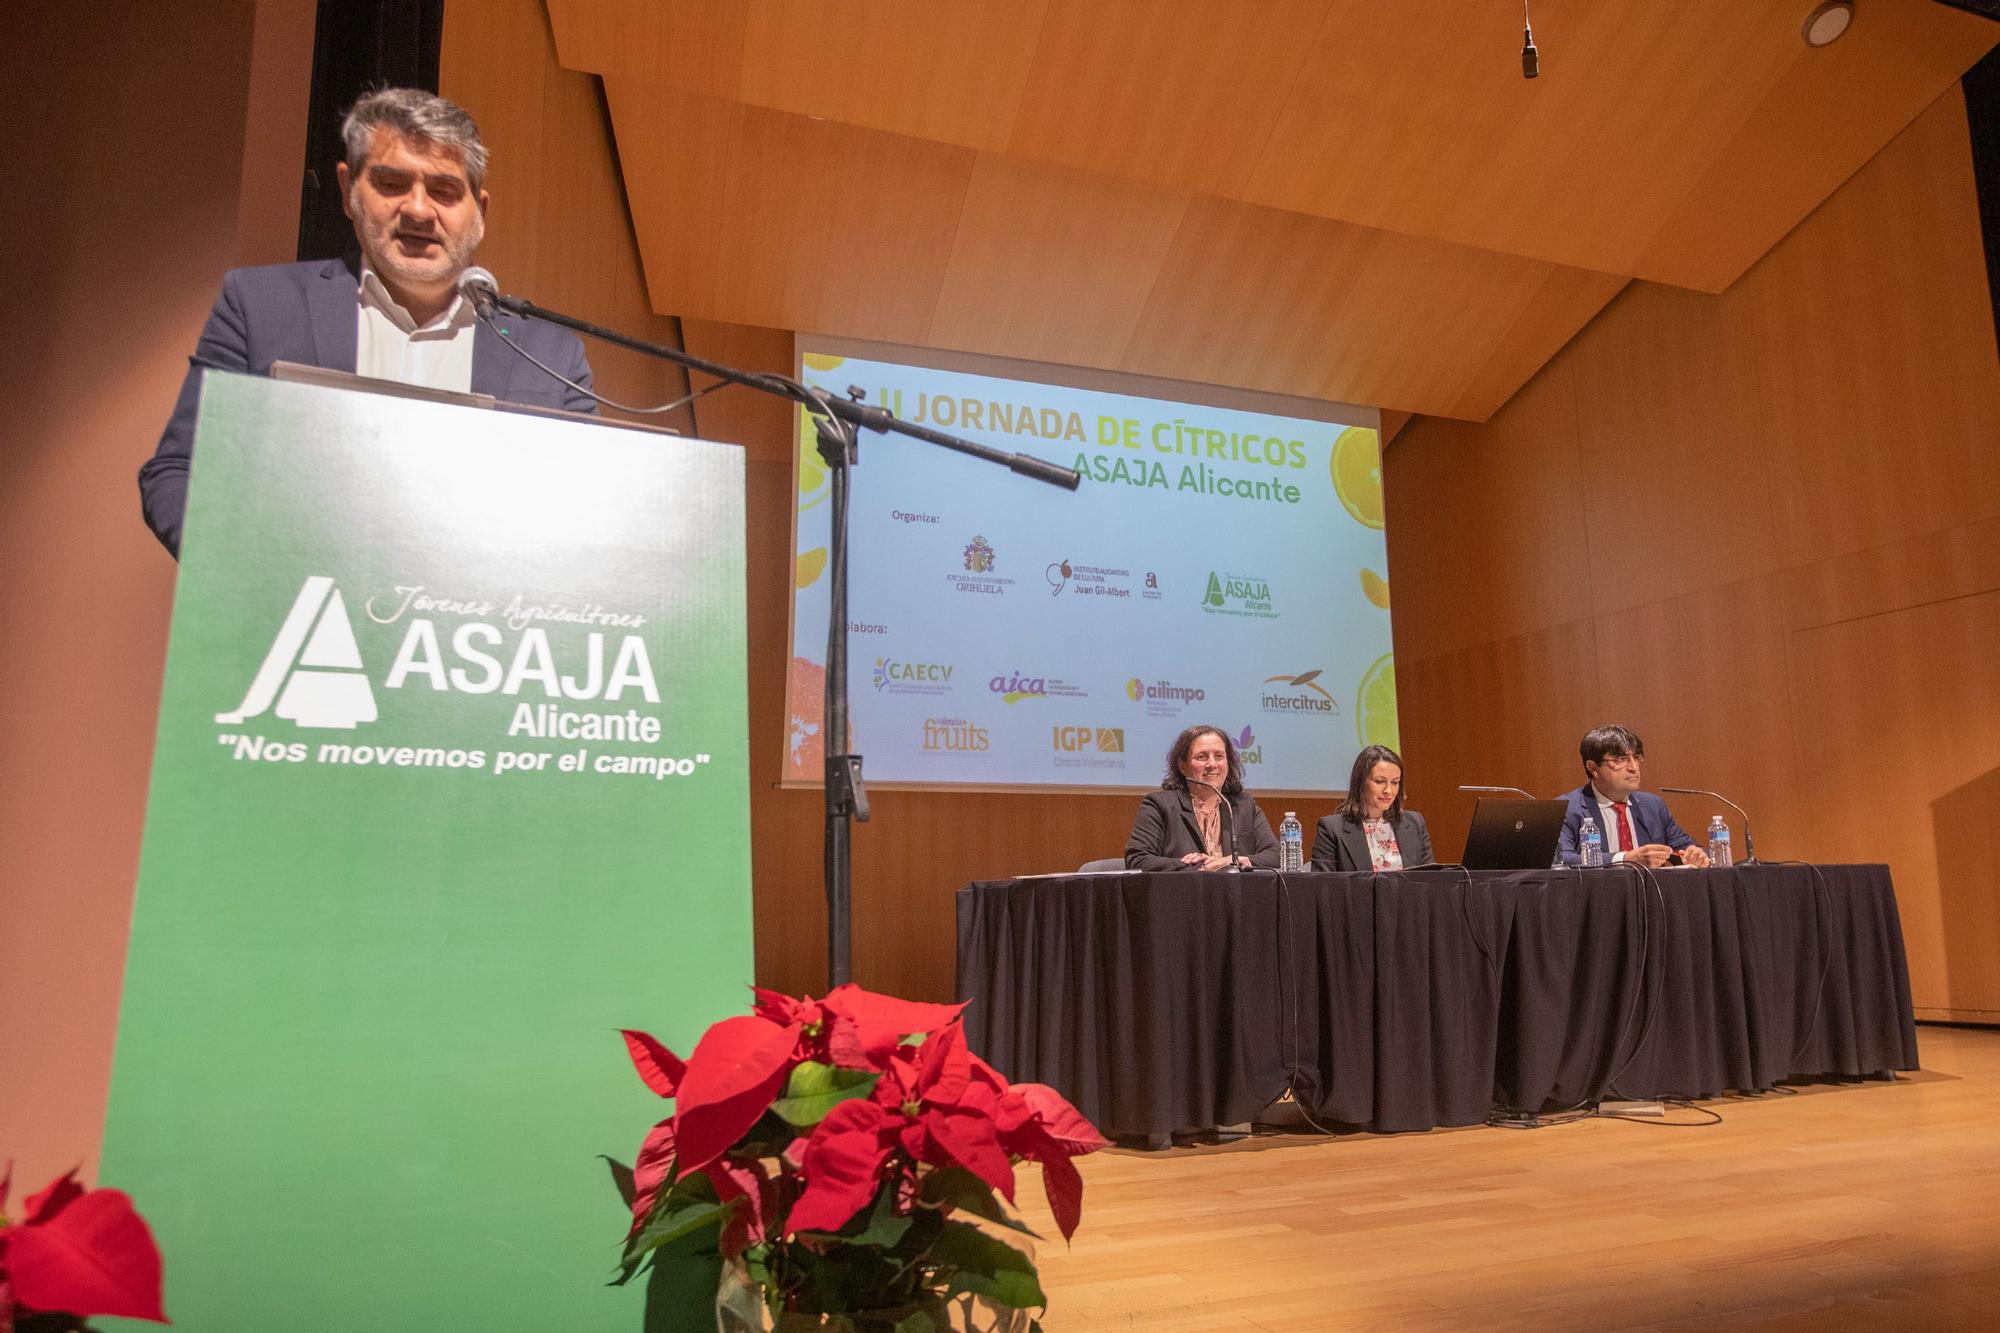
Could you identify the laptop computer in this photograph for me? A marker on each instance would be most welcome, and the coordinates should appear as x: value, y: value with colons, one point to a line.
x: 1513, y: 835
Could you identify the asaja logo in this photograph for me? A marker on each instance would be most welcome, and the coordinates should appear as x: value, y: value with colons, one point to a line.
x: 314, y: 675
x: 1238, y: 595
x: 313, y: 668
x: 1297, y: 694
x: 979, y: 556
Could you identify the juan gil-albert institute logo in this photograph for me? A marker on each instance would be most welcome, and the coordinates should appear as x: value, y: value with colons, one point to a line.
x: 313, y: 668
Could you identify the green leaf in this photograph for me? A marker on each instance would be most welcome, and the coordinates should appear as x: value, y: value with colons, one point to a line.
x: 671, y: 1225
x: 815, y: 1088
x: 957, y: 1187
x: 987, y: 1266
x: 917, y: 1321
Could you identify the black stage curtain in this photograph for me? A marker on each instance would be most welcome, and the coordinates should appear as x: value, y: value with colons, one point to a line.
x: 358, y: 45
x: 1166, y: 1002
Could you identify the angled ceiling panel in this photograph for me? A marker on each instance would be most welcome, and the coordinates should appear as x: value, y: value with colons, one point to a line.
x: 1337, y: 197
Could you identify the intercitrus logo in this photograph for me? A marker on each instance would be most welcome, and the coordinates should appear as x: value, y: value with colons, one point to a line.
x: 313, y: 668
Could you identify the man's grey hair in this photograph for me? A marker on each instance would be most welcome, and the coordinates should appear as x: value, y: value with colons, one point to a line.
x: 414, y: 114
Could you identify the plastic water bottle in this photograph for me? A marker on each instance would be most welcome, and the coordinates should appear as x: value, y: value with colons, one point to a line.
x: 1291, y: 845
x: 1718, y: 842
x: 1590, y: 843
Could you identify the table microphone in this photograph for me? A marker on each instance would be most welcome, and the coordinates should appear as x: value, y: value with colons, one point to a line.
x: 1516, y: 790
x: 1749, y: 843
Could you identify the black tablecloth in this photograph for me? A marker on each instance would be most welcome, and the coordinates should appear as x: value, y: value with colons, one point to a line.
x: 1158, y: 1002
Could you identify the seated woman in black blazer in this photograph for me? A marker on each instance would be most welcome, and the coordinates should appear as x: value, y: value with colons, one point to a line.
x: 1372, y: 830
x: 1180, y: 826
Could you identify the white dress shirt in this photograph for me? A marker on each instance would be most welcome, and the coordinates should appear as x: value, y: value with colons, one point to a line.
x: 388, y: 345
x: 1607, y: 819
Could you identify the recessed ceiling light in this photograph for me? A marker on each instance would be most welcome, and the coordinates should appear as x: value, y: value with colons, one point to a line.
x: 1825, y: 24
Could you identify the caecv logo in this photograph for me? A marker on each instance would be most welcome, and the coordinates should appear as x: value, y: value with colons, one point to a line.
x: 313, y: 669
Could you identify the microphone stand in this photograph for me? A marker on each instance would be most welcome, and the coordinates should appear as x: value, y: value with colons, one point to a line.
x: 1749, y: 843
x: 1516, y: 790
x: 838, y: 423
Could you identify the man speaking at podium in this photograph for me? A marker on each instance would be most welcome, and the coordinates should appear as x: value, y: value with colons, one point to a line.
x: 412, y: 184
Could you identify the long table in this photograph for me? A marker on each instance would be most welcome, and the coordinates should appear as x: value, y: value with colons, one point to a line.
x: 1164, y: 1002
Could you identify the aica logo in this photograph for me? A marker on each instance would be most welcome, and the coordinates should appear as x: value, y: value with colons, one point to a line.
x: 1014, y: 687
x: 313, y: 668
x: 979, y: 556
x: 1297, y: 694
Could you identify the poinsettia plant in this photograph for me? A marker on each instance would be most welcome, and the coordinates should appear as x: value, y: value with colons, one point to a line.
x: 851, y: 1157
x: 72, y: 1253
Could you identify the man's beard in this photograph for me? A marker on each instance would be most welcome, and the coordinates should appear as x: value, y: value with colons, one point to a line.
x: 452, y: 258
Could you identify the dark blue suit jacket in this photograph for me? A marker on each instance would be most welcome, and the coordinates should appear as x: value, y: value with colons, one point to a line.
x: 308, y: 313
x: 1651, y: 822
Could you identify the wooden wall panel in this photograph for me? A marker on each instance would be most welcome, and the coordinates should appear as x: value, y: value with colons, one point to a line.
x: 557, y: 231
x: 1673, y: 412
x: 1704, y: 679
x: 1904, y: 746
x: 1486, y: 524
x: 136, y: 196
x: 1824, y: 111
x: 1502, y: 713
x: 781, y: 221
x: 1876, y: 355
x: 1798, y: 602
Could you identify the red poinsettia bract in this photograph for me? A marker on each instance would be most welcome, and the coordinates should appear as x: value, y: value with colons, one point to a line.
x: 932, y: 1104
x: 78, y: 1251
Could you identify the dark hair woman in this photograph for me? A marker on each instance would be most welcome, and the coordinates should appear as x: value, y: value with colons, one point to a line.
x: 1371, y: 830
x: 1201, y: 818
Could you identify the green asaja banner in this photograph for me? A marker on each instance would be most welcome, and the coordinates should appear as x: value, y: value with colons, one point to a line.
x: 450, y: 785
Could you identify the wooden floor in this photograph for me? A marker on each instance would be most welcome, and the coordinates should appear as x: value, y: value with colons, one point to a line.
x: 1862, y: 1206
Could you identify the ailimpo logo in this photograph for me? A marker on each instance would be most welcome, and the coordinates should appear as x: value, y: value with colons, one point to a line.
x: 313, y: 669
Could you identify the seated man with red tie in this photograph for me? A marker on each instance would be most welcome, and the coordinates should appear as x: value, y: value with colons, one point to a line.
x: 1637, y: 826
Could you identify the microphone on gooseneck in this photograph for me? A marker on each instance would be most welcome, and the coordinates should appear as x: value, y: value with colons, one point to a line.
x: 1749, y: 844
x: 478, y: 286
